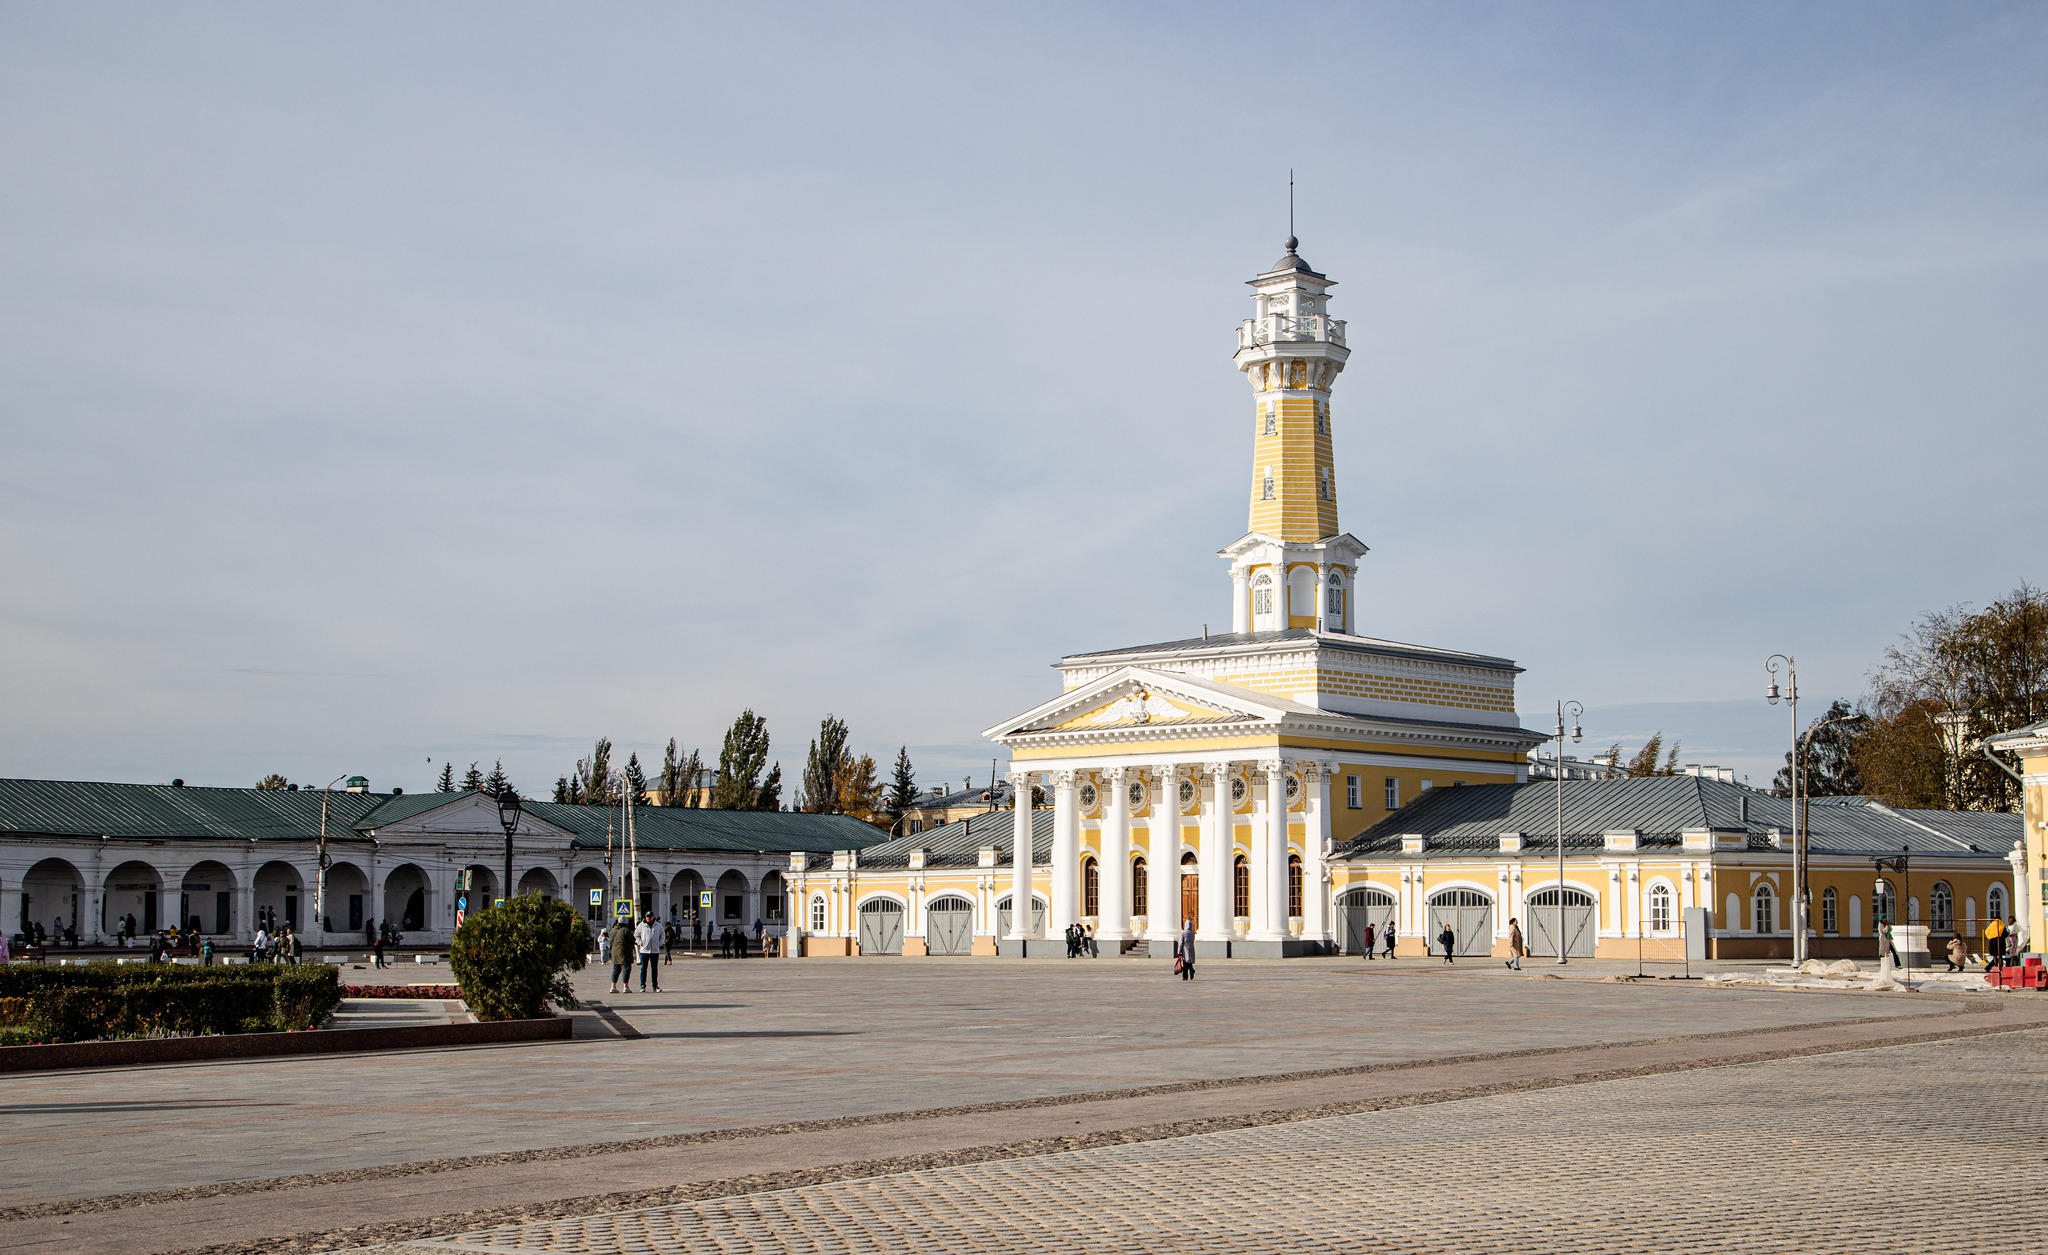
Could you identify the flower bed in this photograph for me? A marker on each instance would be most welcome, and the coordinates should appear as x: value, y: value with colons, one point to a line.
x: 103, y: 1001
x: 450, y: 992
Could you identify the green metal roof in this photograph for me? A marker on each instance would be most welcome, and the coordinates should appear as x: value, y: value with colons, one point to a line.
x: 687, y: 828
x: 90, y: 809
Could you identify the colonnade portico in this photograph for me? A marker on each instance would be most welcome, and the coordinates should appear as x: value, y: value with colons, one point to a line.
x: 1267, y: 807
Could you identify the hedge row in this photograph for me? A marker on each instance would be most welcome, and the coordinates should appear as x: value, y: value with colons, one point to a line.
x: 21, y: 979
x: 278, y: 998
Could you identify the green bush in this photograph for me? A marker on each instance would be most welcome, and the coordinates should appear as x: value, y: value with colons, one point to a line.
x: 513, y: 961
x: 106, y: 1001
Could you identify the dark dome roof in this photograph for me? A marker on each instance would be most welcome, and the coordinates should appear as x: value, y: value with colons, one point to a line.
x: 1292, y: 261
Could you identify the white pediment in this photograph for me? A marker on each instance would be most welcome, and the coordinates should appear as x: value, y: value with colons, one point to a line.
x: 1140, y: 698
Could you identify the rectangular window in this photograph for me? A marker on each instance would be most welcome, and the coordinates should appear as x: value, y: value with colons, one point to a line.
x: 773, y: 903
x: 817, y: 915
x: 917, y: 825
x: 1272, y: 423
x: 1266, y: 493
x: 732, y: 906
x: 1393, y: 794
x: 1351, y: 792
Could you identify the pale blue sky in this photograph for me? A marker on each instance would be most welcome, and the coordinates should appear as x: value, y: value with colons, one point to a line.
x: 381, y: 382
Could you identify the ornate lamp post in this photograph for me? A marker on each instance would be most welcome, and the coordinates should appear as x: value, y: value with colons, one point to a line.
x: 1791, y: 696
x: 1578, y: 712
x: 508, y: 819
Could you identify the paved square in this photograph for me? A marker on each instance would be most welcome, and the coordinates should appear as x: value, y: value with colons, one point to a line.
x: 1906, y: 1148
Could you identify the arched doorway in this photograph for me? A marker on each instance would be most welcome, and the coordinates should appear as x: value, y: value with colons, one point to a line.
x: 541, y: 881
x: 773, y: 896
x: 730, y: 900
x: 949, y: 926
x: 277, y: 896
x: 348, y: 898
x: 1037, y: 917
x: 482, y: 891
x: 1359, y: 909
x: 405, y: 898
x: 1541, y: 927
x: 881, y: 926
x: 588, y: 890
x: 1468, y: 913
x: 1190, y: 891
x: 206, y: 898
x: 686, y: 896
x: 49, y: 898
x: 1241, y: 890
x: 1139, y: 888
x: 128, y: 906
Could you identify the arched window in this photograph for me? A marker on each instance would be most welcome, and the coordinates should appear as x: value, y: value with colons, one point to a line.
x: 1660, y: 908
x: 1829, y: 916
x: 1884, y: 903
x: 1294, y: 884
x: 1139, y: 887
x: 1241, y: 887
x: 818, y: 914
x: 1941, y: 904
x: 1262, y: 589
x: 1994, y: 902
x: 1334, y: 599
x: 1764, y: 906
x: 1091, y: 888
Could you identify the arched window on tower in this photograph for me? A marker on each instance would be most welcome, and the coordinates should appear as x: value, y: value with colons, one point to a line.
x: 1294, y: 885
x: 1241, y: 887
x: 1091, y: 888
x: 1262, y: 593
x: 1333, y: 607
x: 1139, y: 886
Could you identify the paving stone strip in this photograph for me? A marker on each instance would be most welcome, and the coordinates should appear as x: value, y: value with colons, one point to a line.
x: 144, y: 1198
x: 415, y: 1229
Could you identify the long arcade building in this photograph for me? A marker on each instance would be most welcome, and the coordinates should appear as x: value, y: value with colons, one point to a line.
x: 86, y: 858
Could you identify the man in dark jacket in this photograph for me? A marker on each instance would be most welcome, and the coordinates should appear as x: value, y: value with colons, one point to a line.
x: 1449, y: 941
x: 622, y: 956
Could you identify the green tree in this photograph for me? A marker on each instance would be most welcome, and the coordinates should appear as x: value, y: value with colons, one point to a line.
x: 902, y: 785
x: 1830, y: 757
x: 679, y: 775
x: 595, y: 775
x: 860, y: 791
x: 1645, y: 762
x: 513, y: 961
x: 497, y: 782
x: 740, y: 763
x: 273, y: 783
x: 636, y: 779
x: 820, y: 791
x: 562, y: 790
x: 769, y: 798
x: 473, y: 780
x: 447, y: 782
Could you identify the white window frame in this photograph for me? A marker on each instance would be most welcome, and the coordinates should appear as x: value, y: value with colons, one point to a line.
x: 1393, y: 793
x: 1353, y: 798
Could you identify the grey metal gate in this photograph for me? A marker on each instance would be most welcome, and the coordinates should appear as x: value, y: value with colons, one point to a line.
x: 1469, y: 913
x: 881, y: 927
x: 1037, y: 918
x: 949, y: 926
x: 1357, y: 909
x: 1540, y: 929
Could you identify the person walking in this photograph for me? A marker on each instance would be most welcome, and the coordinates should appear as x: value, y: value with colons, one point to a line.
x: 206, y: 953
x: 1449, y: 941
x: 1514, y: 944
x: 622, y: 957
x: 1994, y: 944
x: 1368, y: 943
x: 1094, y: 951
x: 1187, y: 949
x: 1387, y: 936
x: 647, y: 939
x: 669, y: 935
x: 260, y: 946
x: 377, y: 948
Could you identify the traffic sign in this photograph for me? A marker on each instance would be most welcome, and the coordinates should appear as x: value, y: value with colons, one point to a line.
x: 597, y: 897
x: 622, y: 909
x: 704, y: 900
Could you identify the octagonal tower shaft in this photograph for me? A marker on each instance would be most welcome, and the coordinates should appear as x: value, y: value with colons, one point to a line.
x: 1291, y: 350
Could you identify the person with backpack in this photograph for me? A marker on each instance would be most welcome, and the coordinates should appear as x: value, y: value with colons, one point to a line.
x: 1994, y: 944
x: 1449, y: 941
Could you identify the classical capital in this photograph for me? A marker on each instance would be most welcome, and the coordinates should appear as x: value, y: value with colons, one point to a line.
x: 1113, y: 776
x: 1273, y: 766
x: 1311, y: 770
x: 1018, y: 779
x: 1063, y: 777
x: 1168, y: 773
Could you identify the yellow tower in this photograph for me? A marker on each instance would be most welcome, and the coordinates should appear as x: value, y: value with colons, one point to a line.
x: 1293, y: 569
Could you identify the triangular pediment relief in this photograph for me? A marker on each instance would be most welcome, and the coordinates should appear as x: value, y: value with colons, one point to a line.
x: 1136, y: 697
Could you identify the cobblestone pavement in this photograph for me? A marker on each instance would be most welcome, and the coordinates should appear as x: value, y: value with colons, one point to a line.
x: 1894, y: 1149
x: 746, y: 1043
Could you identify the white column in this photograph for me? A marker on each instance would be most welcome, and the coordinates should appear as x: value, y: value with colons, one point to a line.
x: 1162, y: 857
x: 1323, y: 599
x: 1218, y: 840
x: 1269, y: 860
x: 1020, y: 855
x: 1404, y: 909
x: 1614, y: 909
x: 1315, y: 893
x: 1241, y: 604
x: 1063, y: 900
x: 1114, y: 923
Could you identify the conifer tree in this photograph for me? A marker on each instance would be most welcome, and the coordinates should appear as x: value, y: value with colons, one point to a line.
x: 473, y: 780
x: 562, y: 789
x: 636, y: 779
x: 497, y: 782
x: 447, y: 782
x: 902, y: 786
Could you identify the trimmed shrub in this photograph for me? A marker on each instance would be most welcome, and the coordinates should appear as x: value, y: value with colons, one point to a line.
x: 513, y: 961
x: 106, y: 1000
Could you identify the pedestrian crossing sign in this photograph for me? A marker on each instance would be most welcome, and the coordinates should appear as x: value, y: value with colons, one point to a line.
x: 622, y: 909
x: 704, y: 900
x: 597, y: 897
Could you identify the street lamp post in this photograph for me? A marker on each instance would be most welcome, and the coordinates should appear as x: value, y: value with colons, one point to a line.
x: 320, y: 870
x: 1791, y: 696
x: 508, y: 819
x: 1578, y: 712
x: 1898, y: 863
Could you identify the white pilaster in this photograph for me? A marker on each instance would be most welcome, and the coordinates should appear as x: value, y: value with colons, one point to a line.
x: 1114, y: 922
x: 1315, y: 892
x: 1063, y: 901
x: 1217, y: 842
x: 1269, y: 860
x: 1323, y: 600
x: 1020, y: 855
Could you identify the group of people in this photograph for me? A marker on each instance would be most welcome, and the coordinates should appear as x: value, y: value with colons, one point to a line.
x: 647, y: 941
x: 1081, y: 941
x: 1372, y: 934
x: 279, y: 946
x: 2003, y: 939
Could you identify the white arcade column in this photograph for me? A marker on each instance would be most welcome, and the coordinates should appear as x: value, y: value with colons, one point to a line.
x: 1020, y: 855
x: 1218, y: 841
x: 1063, y: 902
x: 1114, y: 921
x: 1315, y: 873
x: 1162, y: 859
x: 1269, y: 859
